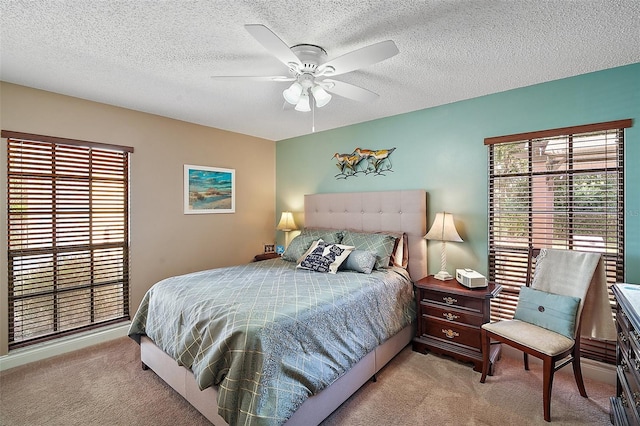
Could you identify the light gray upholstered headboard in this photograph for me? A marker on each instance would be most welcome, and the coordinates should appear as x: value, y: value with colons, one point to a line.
x: 395, y: 211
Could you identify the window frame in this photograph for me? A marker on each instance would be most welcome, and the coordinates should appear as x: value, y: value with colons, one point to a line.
x: 96, y: 199
x: 508, y: 265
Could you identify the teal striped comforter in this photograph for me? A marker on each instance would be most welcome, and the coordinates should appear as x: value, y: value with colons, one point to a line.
x: 270, y: 335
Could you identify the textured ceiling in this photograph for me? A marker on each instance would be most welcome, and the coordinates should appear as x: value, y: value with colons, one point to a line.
x: 158, y: 56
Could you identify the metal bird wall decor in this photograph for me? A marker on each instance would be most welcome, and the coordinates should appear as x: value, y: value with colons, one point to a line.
x: 364, y: 161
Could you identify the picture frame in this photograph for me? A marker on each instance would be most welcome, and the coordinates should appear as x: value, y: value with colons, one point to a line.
x: 269, y: 248
x: 209, y: 190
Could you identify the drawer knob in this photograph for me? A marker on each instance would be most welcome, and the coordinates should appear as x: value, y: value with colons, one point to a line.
x: 636, y: 398
x: 622, y: 337
x: 450, y: 316
x: 449, y: 300
x: 623, y: 401
x: 450, y: 333
x: 624, y: 365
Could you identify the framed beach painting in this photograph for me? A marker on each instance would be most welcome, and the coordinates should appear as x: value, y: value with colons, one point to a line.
x: 209, y: 190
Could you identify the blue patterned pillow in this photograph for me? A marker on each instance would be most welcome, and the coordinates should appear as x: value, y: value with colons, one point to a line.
x: 554, y: 312
x: 381, y: 245
x: 359, y: 261
x: 301, y: 243
x: 324, y: 257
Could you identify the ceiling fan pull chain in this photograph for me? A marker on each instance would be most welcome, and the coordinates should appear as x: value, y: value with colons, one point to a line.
x: 313, y: 117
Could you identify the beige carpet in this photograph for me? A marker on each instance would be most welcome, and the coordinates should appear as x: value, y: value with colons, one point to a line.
x: 104, y: 385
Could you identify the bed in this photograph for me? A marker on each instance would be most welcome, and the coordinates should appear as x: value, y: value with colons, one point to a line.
x: 305, y: 378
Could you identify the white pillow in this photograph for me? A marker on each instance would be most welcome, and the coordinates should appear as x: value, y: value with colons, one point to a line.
x: 324, y: 257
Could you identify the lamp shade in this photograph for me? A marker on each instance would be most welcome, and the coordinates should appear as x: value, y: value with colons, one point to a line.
x: 321, y: 96
x: 303, y: 103
x: 286, y: 222
x: 292, y: 94
x: 443, y: 229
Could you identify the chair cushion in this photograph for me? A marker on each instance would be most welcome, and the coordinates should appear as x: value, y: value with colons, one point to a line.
x: 538, y: 338
x: 554, y: 312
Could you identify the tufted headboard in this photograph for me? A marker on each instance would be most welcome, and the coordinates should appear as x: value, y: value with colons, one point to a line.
x: 394, y: 211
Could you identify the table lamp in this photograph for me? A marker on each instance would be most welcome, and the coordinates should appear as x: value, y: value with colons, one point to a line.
x: 443, y: 229
x: 286, y: 224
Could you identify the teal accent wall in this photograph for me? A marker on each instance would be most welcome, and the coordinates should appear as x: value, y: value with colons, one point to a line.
x: 441, y: 150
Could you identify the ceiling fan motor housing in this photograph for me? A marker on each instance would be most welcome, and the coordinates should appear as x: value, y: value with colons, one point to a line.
x: 310, y: 55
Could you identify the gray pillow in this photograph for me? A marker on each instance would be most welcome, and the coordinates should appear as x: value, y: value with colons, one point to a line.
x: 381, y: 245
x: 332, y: 236
x: 301, y: 243
x: 359, y: 261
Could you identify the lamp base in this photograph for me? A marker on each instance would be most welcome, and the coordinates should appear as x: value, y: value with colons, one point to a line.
x: 443, y: 276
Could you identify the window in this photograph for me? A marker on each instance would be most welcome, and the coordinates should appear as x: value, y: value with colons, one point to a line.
x: 68, y: 239
x: 561, y: 188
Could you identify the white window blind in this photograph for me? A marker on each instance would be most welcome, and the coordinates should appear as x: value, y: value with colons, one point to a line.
x: 68, y: 239
x: 560, y: 188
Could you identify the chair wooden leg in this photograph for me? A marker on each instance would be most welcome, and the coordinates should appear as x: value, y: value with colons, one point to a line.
x: 577, y: 368
x: 547, y: 384
x: 526, y: 361
x: 486, y: 349
x: 577, y: 373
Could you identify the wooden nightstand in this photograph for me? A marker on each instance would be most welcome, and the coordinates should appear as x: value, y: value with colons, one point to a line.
x: 449, y: 319
x: 265, y: 256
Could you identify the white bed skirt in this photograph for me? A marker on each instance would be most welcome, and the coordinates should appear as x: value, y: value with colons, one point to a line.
x: 311, y: 412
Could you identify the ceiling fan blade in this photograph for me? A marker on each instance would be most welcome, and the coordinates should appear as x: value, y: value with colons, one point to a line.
x: 361, y: 58
x: 252, y: 77
x: 347, y: 90
x: 272, y: 43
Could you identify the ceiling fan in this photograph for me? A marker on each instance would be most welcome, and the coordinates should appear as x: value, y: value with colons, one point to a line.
x: 311, y: 72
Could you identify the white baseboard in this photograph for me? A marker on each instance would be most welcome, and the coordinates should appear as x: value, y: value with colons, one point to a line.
x: 595, y: 370
x: 60, y: 346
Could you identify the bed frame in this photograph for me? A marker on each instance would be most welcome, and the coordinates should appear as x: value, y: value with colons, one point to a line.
x: 395, y: 211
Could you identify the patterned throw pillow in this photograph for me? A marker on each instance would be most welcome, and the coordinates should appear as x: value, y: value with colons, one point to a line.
x: 324, y: 257
x: 332, y: 236
x: 379, y: 244
x: 297, y: 247
x: 301, y: 243
x: 359, y: 261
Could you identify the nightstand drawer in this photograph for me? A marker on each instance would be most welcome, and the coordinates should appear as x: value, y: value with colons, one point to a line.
x: 452, y: 332
x: 449, y: 320
x: 456, y: 300
x: 451, y: 314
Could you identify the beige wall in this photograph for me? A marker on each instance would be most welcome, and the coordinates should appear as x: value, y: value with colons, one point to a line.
x: 164, y: 241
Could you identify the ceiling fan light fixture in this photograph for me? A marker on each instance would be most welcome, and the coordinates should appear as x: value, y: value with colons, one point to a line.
x: 303, y: 103
x: 293, y: 93
x: 320, y: 95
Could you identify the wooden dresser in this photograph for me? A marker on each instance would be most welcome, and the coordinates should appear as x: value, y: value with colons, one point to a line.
x: 625, y: 406
x: 449, y: 319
